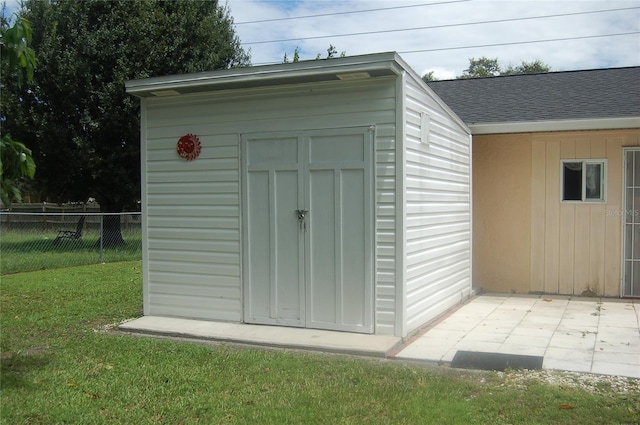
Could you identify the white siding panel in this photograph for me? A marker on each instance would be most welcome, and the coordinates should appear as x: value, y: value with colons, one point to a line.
x: 197, y: 165
x: 184, y: 265
x: 386, y: 273
x: 195, y: 176
x: 229, y: 293
x: 195, y: 280
x: 193, y: 234
x: 196, y: 222
x: 195, y: 187
x: 194, y: 245
x: 169, y: 153
x: 213, y: 308
x: 193, y: 208
x: 194, y: 256
x: 198, y: 211
x: 437, y: 209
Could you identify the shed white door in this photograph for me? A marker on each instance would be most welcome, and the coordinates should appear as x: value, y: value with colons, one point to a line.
x: 314, y: 271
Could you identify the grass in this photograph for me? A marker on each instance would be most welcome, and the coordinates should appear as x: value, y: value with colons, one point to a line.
x: 59, y: 365
x: 29, y: 251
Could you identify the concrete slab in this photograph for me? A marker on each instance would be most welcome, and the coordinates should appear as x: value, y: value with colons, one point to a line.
x: 594, y: 335
x: 274, y: 336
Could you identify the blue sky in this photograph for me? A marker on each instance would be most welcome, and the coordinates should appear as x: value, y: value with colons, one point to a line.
x: 584, y: 53
x: 444, y: 50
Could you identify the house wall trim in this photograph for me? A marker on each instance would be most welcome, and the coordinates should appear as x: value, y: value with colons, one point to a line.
x: 559, y: 125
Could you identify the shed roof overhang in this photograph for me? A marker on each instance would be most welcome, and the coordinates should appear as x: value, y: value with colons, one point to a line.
x: 555, y: 125
x: 348, y: 68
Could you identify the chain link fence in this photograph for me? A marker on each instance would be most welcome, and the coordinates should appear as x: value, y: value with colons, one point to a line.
x: 43, y: 240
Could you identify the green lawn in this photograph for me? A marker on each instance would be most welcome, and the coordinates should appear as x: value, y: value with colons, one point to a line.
x: 28, y: 251
x: 60, y: 365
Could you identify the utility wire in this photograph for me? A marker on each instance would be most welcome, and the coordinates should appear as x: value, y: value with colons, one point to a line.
x: 437, y: 26
x: 348, y: 12
x: 519, y: 42
x: 440, y: 49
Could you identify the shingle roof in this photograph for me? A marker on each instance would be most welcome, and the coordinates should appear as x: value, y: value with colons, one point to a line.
x: 569, y: 95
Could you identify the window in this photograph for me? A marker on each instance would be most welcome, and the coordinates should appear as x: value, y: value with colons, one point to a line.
x: 583, y: 180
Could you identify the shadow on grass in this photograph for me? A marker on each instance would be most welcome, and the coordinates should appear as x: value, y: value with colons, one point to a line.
x: 15, y: 366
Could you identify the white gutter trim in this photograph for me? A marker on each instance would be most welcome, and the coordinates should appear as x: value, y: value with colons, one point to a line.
x: 265, y: 73
x: 556, y: 125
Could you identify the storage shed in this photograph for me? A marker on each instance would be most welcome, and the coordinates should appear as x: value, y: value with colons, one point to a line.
x: 330, y: 194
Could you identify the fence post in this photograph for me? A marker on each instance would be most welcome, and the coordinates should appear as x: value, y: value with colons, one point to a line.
x: 101, y: 234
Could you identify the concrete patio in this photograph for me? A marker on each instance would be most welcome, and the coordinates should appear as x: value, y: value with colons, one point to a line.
x: 592, y: 335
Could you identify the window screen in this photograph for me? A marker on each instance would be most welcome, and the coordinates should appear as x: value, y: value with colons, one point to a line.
x: 583, y: 180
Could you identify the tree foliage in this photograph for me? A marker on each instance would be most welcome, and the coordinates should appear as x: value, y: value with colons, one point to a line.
x: 296, y: 56
x: 332, y: 52
x: 482, y: 67
x: 81, y: 124
x: 490, y: 67
x: 18, y: 62
x: 535, y: 67
x: 15, y: 50
x: 429, y: 76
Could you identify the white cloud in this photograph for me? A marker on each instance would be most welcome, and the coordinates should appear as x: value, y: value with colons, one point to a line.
x: 561, y: 55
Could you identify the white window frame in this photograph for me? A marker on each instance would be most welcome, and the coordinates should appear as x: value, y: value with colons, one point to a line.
x: 603, y: 181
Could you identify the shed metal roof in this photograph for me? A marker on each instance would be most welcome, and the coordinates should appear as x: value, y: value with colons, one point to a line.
x: 375, y: 65
x: 386, y: 64
x: 607, y: 95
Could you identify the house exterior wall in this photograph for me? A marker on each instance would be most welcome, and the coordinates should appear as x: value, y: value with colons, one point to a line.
x: 502, y: 211
x: 193, y: 251
x: 525, y: 239
x: 437, y: 207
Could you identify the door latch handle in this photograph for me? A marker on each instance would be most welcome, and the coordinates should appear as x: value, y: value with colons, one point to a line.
x: 302, y: 214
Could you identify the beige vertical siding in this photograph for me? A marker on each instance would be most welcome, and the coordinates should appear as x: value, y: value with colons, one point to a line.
x: 530, y: 241
x: 501, y: 179
x: 613, y: 217
x: 537, y: 225
x: 437, y: 204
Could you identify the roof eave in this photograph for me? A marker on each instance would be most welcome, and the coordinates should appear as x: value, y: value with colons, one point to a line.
x: 382, y: 64
x: 555, y: 125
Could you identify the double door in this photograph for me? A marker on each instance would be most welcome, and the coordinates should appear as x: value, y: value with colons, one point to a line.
x: 308, y: 251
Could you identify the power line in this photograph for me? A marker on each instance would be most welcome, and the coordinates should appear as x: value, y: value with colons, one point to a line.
x: 437, y: 26
x: 440, y: 49
x: 348, y: 12
x: 519, y: 42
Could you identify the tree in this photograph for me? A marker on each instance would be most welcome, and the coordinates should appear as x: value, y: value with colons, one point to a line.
x: 18, y: 62
x: 296, y: 56
x: 480, y: 68
x: 429, y: 76
x: 535, y: 67
x: 81, y: 123
x: 331, y: 53
x: 485, y: 67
